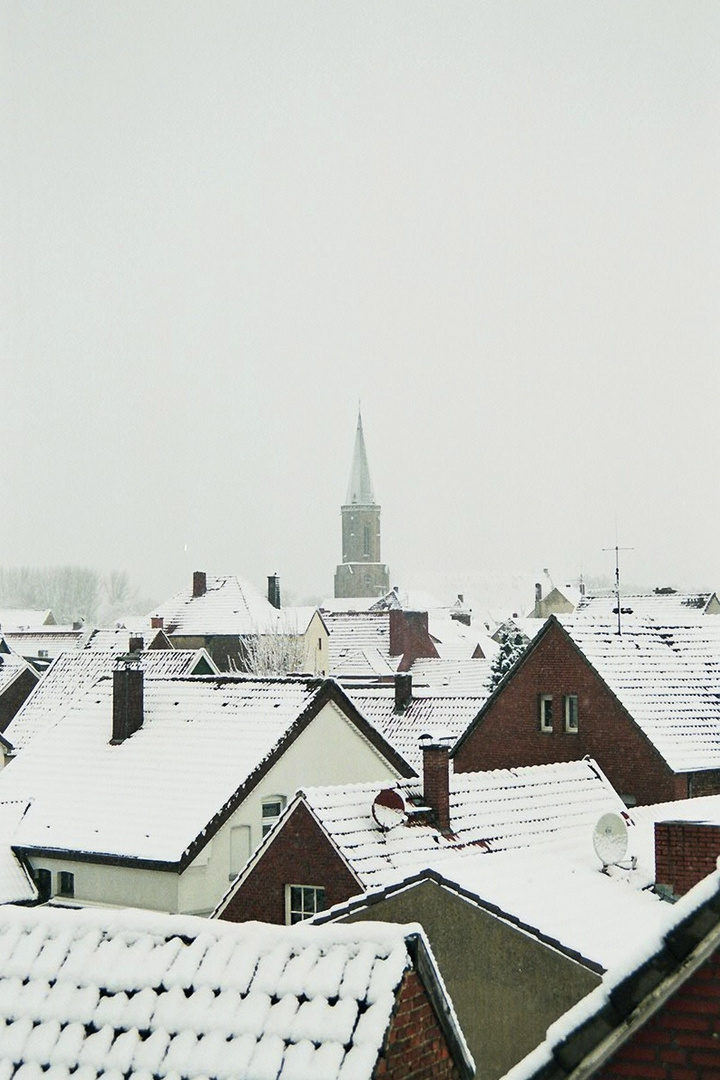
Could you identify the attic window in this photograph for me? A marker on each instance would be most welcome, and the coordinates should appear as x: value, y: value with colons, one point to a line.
x: 272, y: 808
x: 303, y: 901
x: 545, y: 712
x: 571, y: 713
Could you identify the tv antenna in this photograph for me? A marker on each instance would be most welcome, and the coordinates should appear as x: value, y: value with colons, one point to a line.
x: 617, y: 551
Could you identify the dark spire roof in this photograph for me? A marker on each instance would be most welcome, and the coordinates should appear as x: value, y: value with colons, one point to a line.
x: 360, y: 489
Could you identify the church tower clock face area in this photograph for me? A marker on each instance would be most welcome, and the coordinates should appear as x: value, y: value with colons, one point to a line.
x: 361, y: 572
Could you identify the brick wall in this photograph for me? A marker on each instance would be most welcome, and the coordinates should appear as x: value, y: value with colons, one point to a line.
x: 685, y: 853
x: 682, y: 1040
x: 509, y: 733
x: 415, y: 1047
x: 300, y: 854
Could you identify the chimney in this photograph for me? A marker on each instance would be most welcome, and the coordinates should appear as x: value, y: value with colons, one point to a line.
x: 156, y: 622
x: 436, y: 780
x: 127, y: 702
x: 136, y: 644
x: 199, y: 583
x: 538, y: 592
x: 403, y: 690
x: 685, y: 853
x: 273, y: 590
x: 409, y: 637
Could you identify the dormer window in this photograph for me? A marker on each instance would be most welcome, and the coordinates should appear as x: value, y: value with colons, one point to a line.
x: 545, y: 712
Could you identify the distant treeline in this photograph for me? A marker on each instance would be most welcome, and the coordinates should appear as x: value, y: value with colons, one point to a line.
x: 72, y: 593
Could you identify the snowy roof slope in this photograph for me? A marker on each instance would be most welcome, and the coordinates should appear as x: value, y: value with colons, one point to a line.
x: 22, y: 618
x: 668, y: 679
x: 16, y: 884
x: 11, y: 667
x: 151, y: 796
x: 465, y: 678
x: 72, y: 673
x: 133, y: 994
x: 660, y: 961
x: 359, y: 643
x: 117, y: 639
x: 663, y: 607
x: 431, y: 714
x: 496, y: 810
x: 229, y: 606
x: 50, y: 640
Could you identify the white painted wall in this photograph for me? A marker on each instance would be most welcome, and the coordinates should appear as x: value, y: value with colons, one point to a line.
x: 329, y: 751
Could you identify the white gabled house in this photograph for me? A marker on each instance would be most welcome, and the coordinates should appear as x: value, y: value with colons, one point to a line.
x: 153, y: 792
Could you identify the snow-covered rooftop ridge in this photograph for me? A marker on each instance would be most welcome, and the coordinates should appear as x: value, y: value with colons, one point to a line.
x: 490, y: 811
x: 425, y: 712
x: 225, y: 604
x: 667, y: 676
x: 662, y: 606
x: 133, y: 993
x: 71, y: 673
x: 623, y: 988
x: 24, y: 618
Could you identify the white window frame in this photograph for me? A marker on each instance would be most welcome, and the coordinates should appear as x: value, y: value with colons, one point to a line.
x: 570, y: 727
x: 267, y: 820
x: 543, y: 724
x: 305, y: 906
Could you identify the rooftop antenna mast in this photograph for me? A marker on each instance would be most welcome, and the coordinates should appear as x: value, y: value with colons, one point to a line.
x: 617, y: 551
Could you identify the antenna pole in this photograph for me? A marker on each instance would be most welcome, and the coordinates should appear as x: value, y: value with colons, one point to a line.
x: 617, y: 551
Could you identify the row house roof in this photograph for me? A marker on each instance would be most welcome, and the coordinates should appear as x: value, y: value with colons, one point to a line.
x: 158, y: 796
x: 661, y: 606
x: 222, y: 605
x: 72, y: 673
x: 132, y: 993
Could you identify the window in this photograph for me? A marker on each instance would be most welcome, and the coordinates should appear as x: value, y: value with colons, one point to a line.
x: 43, y: 881
x: 366, y: 541
x: 545, y: 705
x: 302, y: 901
x: 66, y: 883
x: 272, y: 808
x: 571, y: 712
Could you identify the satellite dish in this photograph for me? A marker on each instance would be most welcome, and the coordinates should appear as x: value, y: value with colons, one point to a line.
x: 610, y: 839
x: 388, y: 809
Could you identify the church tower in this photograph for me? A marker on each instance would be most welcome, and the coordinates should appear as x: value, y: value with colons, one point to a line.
x: 361, y: 573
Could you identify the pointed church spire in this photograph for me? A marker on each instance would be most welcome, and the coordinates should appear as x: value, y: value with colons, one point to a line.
x: 360, y: 489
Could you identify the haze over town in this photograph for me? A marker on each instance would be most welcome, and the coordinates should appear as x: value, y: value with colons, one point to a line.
x: 496, y: 225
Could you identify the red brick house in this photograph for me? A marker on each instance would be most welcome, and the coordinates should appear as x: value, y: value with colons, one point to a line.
x: 658, y: 1019
x: 645, y: 704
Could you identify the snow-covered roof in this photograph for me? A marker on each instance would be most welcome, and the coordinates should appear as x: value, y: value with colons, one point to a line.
x: 666, y: 676
x: 663, y: 607
x: 431, y: 714
x: 117, y: 639
x: 50, y: 641
x: 464, y: 678
x: 24, y: 618
x: 229, y: 606
x: 202, y: 741
x: 16, y: 884
x: 658, y: 963
x: 11, y: 667
x: 138, y: 994
x: 497, y: 810
x: 359, y: 643
x: 72, y: 673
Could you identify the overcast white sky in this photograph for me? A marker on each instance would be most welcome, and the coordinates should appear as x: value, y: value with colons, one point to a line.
x: 496, y: 223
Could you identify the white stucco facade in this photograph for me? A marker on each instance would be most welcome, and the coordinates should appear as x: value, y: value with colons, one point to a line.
x: 330, y: 750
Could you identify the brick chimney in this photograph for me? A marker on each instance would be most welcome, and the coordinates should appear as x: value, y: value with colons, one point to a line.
x: 436, y: 780
x: 403, y: 690
x: 409, y: 637
x: 538, y: 592
x: 273, y: 590
x: 136, y: 644
x: 127, y: 702
x: 156, y: 622
x: 685, y: 853
x: 199, y: 583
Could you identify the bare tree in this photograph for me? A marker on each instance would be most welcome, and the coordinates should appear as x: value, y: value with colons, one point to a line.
x: 275, y: 652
